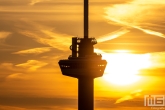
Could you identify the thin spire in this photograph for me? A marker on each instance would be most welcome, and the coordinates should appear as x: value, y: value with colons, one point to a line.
x: 86, y: 19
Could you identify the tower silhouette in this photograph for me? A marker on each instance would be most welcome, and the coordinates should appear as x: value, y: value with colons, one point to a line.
x: 84, y: 64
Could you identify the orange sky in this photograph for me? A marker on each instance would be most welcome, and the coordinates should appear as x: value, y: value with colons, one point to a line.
x: 36, y: 34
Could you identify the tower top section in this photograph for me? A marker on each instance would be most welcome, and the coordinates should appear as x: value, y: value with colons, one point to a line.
x: 83, y: 63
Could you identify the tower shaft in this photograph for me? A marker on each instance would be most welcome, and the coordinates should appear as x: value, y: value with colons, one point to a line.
x: 85, y: 94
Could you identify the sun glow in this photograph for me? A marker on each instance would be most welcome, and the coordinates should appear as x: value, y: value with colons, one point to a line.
x: 122, y: 51
x: 123, y: 67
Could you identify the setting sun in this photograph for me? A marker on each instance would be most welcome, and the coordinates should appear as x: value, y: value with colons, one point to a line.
x: 123, y: 67
x: 81, y: 54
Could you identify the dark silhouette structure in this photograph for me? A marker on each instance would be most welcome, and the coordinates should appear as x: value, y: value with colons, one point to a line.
x: 84, y: 64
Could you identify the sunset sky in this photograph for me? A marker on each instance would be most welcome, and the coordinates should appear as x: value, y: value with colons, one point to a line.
x: 36, y: 34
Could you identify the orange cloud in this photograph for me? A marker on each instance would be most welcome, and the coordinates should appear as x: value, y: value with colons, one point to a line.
x: 32, y: 65
x: 3, y: 107
x: 133, y: 95
x: 130, y: 14
x: 33, y: 2
x: 9, y: 66
x: 46, y: 35
x: 4, y: 34
x: 113, y: 35
x: 16, y: 76
x: 34, y: 51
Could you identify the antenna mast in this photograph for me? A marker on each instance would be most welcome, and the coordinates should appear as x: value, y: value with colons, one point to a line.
x: 86, y: 19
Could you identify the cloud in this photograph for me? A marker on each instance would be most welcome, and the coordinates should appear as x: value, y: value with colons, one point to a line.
x: 149, y: 2
x: 4, y: 35
x: 32, y: 65
x: 3, y: 107
x: 130, y: 14
x: 51, y: 107
x: 55, y: 41
x: 37, y: 103
x: 147, y: 31
x: 33, y: 2
x: 16, y: 76
x: 47, y: 36
x: 8, y: 66
x: 6, y: 69
x: 113, y: 35
x: 97, y: 2
x: 157, y: 60
x: 131, y: 96
x: 35, y: 51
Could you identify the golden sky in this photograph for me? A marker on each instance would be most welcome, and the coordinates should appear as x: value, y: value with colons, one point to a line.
x: 36, y: 34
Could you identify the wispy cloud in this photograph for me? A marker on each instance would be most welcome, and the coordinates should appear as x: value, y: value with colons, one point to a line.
x: 34, y: 51
x: 151, y: 32
x: 16, y: 76
x: 33, y: 2
x: 47, y: 36
x: 113, y: 35
x: 27, y: 104
x: 131, y: 96
x: 56, y: 41
x: 3, y: 107
x: 4, y: 35
x: 157, y: 60
x: 8, y: 66
x: 147, y: 31
x: 32, y: 65
x: 130, y: 14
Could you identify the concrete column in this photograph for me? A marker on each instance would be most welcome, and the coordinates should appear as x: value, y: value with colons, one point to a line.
x: 86, y: 93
